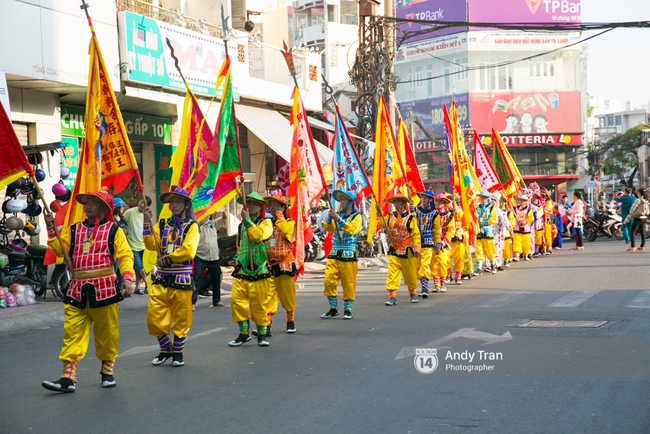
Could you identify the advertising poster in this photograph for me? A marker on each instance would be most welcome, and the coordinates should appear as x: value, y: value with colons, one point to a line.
x: 430, y: 114
x: 429, y: 10
x: 147, y: 57
x: 522, y: 113
x: 525, y: 11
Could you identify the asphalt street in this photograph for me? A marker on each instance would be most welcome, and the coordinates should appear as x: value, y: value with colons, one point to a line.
x: 559, y: 344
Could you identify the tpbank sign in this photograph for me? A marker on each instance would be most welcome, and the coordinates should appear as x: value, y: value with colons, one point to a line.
x: 139, y: 128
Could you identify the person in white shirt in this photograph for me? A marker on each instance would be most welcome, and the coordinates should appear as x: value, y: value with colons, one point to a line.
x: 134, y: 218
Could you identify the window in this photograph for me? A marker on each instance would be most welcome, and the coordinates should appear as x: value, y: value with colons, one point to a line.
x: 446, y: 70
x: 610, y: 121
x: 429, y: 82
x: 494, y: 77
x: 541, y: 68
x: 415, y: 77
x: 461, y: 69
x: 617, y: 120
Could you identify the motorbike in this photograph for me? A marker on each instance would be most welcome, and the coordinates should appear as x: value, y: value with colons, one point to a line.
x: 611, y: 226
x: 26, y: 267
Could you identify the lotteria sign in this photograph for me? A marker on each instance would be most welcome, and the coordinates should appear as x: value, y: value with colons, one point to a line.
x: 537, y: 139
x: 430, y: 10
x: 525, y: 11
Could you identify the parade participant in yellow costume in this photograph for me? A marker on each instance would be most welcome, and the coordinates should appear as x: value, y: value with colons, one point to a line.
x: 458, y: 241
x: 442, y: 255
x: 170, y: 292
x: 91, y: 301
x: 523, y: 217
x: 429, y: 226
x: 282, y: 284
x: 342, y: 262
x: 485, y: 252
x: 404, y: 249
x: 250, y: 286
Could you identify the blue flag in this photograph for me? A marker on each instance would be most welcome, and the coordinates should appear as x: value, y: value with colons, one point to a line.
x: 346, y: 165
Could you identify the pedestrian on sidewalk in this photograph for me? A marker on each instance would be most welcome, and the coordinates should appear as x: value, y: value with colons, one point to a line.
x: 429, y: 226
x: 626, y: 202
x: 342, y: 263
x: 207, y: 258
x: 170, y: 294
x: 404, y: 249
x: 282, y: 284
x: 577, y: 213
x: 250, y: 285
x: 91, y: 301
x: 638, y: 215
x: 134, y: 218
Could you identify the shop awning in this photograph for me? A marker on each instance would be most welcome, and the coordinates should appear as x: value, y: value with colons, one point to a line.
x: 274, y: 130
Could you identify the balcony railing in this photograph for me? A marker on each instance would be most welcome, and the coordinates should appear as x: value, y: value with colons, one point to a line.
x: 174, y: 17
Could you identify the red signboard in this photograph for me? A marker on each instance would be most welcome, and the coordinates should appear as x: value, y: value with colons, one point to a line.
x: 538, y: 139
x: 523, y: 113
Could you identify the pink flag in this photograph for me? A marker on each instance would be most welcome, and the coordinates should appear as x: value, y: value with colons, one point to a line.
x: 485, y: 173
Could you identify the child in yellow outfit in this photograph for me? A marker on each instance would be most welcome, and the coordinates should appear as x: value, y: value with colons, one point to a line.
x: 404, y: 249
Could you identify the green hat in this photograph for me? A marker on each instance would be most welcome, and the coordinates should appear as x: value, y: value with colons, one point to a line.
x: 254, y: 197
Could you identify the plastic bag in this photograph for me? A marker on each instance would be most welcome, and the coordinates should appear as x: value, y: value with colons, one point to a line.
x: 20, y: 300
x: 11, y: 300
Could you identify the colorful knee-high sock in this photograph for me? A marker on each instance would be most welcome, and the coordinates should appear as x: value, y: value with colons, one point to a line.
x: 392, y: 293
x: 457, y: 275
x: 333, y: 302
x: 270, y: 317
x: 107, y: 367
x: 243, y: 327
x: 261, y: 330
x: 179, y: 344
x: 437, y: 281
x: 289, y: 316
x: 347, y: 305
x: 425, y: 284
x: 70, y: 370
x: 165, y: 345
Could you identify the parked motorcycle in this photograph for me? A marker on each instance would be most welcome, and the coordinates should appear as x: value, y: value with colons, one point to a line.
x: 611, y: 226
x: 25, y: 266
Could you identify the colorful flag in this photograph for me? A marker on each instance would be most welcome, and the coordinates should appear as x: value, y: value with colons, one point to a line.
x: 485, y: 173
x: 387, y: 177
x: 14, y: 163
x: 466, y: 184
x: 411, y: 171
x: 306, y: 183
x: 504, y: 165
x: 216, y: 183
x: 348, y: 170
x: 106, y: 158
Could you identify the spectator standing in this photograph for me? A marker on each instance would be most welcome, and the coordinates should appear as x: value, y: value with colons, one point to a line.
x: 638, y: 214
x: 207, y: 258
x: 577, y: 213
x: 134, y: 218
x: 626, y: 202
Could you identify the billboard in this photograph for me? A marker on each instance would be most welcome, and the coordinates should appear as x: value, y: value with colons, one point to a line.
x: 430, y: 114
x: 429, y: 10
x: 424, y: 50
x: 516, y: 41
x: 146, y: 57
x: 525, y: 11
x: 522, y: 113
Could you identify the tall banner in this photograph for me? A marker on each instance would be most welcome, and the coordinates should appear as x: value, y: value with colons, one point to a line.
x: 306, y: 183
x: 504, y: 165
x: 411, y: 171
x: 485, y: 173
x: 387, y: 174
x: 14, y: 163
x: 348, y: 170
x: 216, y: 183
x: 106, y: 158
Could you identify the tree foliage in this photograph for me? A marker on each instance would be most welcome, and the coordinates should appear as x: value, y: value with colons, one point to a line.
x: 619, y: 154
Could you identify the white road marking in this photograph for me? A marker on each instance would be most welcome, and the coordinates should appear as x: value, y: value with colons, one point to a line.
x: 574, y: 299
x: 641, y: 301
x: 502, y: 300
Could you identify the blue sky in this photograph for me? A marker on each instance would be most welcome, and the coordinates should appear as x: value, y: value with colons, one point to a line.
x: 619, y: 61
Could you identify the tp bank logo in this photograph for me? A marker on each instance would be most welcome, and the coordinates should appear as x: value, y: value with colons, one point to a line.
x: 533, y: 5
x: 426, y: 360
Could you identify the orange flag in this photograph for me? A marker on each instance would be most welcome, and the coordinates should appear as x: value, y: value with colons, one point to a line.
x: 13, y: 164
x: 411, y: 171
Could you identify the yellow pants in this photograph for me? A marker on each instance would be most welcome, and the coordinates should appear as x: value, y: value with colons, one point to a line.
x: 548, y: 235
x: 458, y: 255
x: 521, y: 243
x: 346, y: 273
x: 248, y: 300
x: 484, y: 249
x: 397, y: 267
x: 76, y: 332
x: 441, y: 263
x: 539, y: 236
x: 166, y: 303
x: 425, y: 263
x: 284, y: 288
x: 507, y: 249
